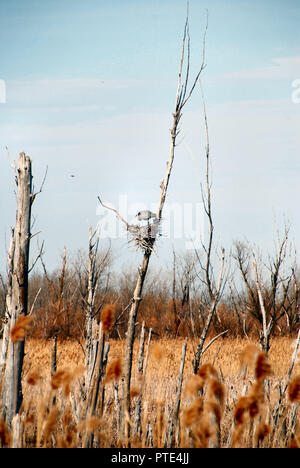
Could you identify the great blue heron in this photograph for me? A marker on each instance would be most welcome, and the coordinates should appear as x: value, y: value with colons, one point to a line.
x: 145, y: 235
x: 145, y: 215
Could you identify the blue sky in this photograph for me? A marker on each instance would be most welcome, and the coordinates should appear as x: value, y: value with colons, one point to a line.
x: 90, y: 88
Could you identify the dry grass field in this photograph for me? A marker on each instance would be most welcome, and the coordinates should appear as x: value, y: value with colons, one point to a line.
x: 226, y: 405
x: 225, y: 355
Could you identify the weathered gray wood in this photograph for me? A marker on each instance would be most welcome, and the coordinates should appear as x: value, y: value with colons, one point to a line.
x: 17, y: 299
x: 147, y: 355
x: 141, y: 350
x: 98, y: 370
x: 131, y: 327
x: 6, y: 329
x: 16, y: 431
x: 118, y: 408
x: 92, y: 396
x: 105, y: 360
x: 93, y: 277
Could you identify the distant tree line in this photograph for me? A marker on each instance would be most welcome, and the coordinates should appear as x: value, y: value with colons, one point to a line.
x: 176, y: 305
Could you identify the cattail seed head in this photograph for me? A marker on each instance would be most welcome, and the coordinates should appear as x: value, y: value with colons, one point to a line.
x: 20, y: 328
x: 216, y: 390
x: 60, y: 377
x: 193, y: 385
x: 114, y: 370
x: 135, y: 391
x: 206, y: 371
x: 294, y: 390
x: 107, y: 317
x: 262, y: 367
x: 64, y: 377
x: 253, y: 407
x: 262, y: 431
x: 33, y: 377
x: 193, y: 413
x: 240, y: 410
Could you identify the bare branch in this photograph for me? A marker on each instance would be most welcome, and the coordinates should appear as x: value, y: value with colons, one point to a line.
x: 41, y: 187
x: 37, y: 257
x: 262, y: 306
x: 213, y: 340
x: 115, y: 211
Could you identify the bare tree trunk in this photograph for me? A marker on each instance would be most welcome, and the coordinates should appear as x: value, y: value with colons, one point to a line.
x: 147, y: 355
x: 142, y: 275
x: 265, y: 336
x: 6, y: 334
x: 17, y: 298
x: 93, y: 276
x: 131, y: 329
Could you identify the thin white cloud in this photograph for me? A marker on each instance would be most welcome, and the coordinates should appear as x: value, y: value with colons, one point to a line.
x: 280, y: 67
x: 67, y: 93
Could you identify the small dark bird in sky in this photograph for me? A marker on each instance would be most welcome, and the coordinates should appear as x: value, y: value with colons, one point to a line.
x: 72, y: 175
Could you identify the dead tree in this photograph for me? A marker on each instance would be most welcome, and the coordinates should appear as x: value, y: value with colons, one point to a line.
x: 145, y: 237
x: 292, y: 304
x: 183, y: 94
x: 267, y: 300
x: 94, y: 272
x: 17, y: 291
x: 213, y: 286
x: 89, y: 269
x: 272, y: 302
x: 56, y: 297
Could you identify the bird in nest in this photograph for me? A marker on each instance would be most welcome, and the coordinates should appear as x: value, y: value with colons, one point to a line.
x: 145, y: 215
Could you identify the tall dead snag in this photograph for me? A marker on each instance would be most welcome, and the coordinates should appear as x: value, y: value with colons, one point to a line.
x: 183, y: 94
x: 93, y: 277
x: 17, y: 294
x: 214, y: 287
x: 89, y: 269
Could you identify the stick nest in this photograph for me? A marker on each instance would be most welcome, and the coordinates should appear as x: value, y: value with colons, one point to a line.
x: 144, y: 237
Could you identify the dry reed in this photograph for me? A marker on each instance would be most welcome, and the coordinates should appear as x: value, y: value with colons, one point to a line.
x: 221, y: 406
